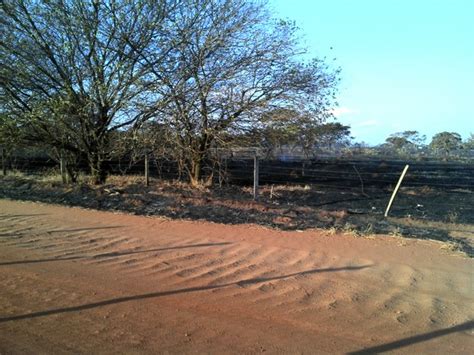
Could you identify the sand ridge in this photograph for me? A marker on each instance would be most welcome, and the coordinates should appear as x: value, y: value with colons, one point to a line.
x: 83, y: 280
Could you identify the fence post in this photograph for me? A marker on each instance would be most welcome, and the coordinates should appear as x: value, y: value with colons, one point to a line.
x: 255, y: 176
x: 396, y: 190
x: 62, y: 169
x: 221, y: 174
x: 4, y: 162
x: 147, y: 171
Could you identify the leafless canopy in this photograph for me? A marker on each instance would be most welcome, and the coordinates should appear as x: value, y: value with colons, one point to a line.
x: 230, y: 63
x: 74, y: 71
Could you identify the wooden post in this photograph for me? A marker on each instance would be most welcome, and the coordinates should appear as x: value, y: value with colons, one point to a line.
x: 255, y: 177
x: 62, y: 168
x: 396, y: 189
x: 221, y: 174
x: 4, y: 162
x: 147, y: 171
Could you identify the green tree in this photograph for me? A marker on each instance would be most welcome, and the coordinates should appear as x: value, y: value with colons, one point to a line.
x: 331, y: 134
x: 446, y: 142
x: 405, y: 142
x: 469, y: 144
x: 293, y: 130
x: 282, y: 128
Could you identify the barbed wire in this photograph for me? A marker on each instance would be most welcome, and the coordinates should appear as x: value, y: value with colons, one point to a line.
x: 420, y: 173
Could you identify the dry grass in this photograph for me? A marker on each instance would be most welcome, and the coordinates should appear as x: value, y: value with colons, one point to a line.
x: 125, y: 180
x: 397, y: 232
x: 350, y: 229
x: 452, y: 217
x: 451, y: 247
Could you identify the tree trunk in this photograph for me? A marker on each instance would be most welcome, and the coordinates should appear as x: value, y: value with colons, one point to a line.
x: 63, y: 169
x: 210, y: 179
x: 71, y: 173
x: 4, y: 162
x: 98, y: 173
x: 197, y: 158
x: 195, y: 172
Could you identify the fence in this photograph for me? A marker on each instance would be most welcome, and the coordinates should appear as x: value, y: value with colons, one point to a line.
x: 331, y: 173
x: 355, y: 175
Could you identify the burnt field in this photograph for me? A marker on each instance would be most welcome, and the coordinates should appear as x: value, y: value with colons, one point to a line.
x: 436, y: 199
x: 355, y: 173
x: 430, y: 190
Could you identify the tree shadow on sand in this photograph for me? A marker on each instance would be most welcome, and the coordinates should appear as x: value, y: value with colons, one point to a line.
x: 111, y: 255
x: 20, y: 234
x: 22, y: 215
x: 414, y: 339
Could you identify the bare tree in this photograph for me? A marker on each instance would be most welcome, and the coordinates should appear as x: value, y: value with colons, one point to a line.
x: 70, y: 72
x: 230, y: 63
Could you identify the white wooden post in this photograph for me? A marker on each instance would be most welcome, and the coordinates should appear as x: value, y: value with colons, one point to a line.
x: 396, y: 190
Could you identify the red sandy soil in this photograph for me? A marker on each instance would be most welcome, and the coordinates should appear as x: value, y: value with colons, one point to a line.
x: 81, y: 281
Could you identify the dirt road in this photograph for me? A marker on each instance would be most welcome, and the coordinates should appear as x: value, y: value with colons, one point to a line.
x: 82, y: 281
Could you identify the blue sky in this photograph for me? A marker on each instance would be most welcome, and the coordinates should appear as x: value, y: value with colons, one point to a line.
x: 406, y: 65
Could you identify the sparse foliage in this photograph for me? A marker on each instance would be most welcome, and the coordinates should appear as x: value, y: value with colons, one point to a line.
x: 232, y: 65
x: 74, y: 73
x: 70, y: 73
